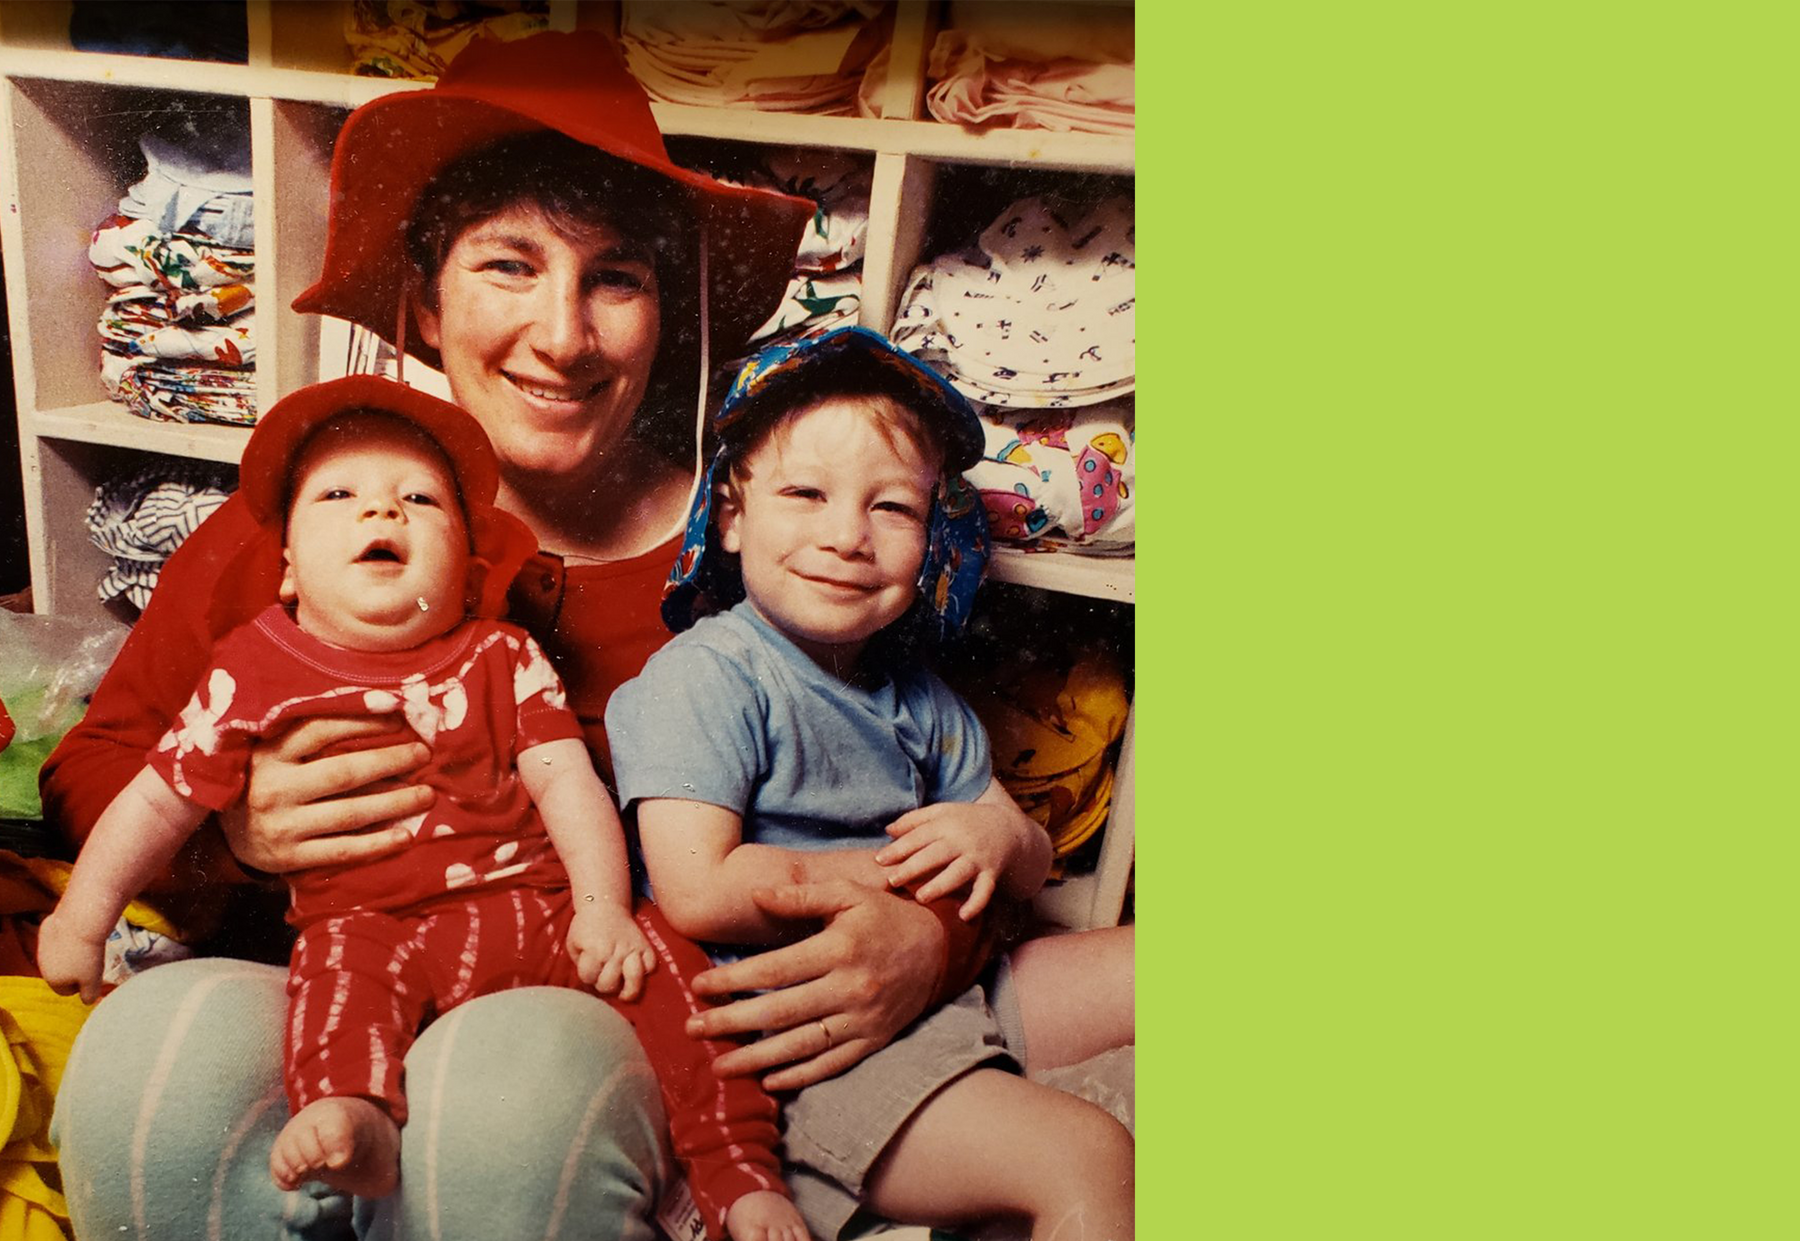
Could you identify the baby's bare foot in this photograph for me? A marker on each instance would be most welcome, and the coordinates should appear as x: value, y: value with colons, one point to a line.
x: 764, y: 1216
x: 348, y: 1143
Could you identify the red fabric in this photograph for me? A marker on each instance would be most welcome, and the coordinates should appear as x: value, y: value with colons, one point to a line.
x: 478, y: 695
x: 361, y: 986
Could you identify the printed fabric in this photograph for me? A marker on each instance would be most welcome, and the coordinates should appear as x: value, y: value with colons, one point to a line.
x: 178, y: 335
x: 1054, y: 721
x: 1067, y: 475
x: 478, y: 696
x: 1040, y: 313
x: 140, y: 518
x: 826, y: 288
x: 406, y: 39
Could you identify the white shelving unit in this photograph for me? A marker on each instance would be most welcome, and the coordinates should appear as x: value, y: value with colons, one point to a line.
x: 71, y: 153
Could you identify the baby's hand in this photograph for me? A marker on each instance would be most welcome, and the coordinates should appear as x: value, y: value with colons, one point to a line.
x: 764, y: 1215
x: 69, y: 960
x: 610, y: 952
x: 959, y: 844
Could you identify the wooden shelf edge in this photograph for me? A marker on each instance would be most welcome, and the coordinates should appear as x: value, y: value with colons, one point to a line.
x: 164, y: 73
x: 928, y: 139
x: 110, y: 424
x: 1113, y: 578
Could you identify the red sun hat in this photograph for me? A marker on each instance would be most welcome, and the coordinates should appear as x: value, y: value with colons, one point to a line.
x: 575, y: 83
x: 501, y: 543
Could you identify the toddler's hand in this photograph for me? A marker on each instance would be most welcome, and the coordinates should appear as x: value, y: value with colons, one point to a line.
x: 610, y: 952
x: 764, y: 1215
x: 959, y: 844
x: 70, y: 961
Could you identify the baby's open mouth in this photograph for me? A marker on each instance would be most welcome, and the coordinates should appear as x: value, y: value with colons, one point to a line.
x: 380, y: 553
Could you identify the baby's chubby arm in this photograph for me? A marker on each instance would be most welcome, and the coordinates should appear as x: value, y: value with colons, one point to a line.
x: 704, y: 873
x: 984, y: 845
x: 135, y: 837
x: 609, y: 951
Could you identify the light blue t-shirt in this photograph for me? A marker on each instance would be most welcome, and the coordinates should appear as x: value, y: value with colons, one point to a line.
x: 732, y: 713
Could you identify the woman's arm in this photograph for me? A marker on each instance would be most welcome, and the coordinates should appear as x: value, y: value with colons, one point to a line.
x: 149, y: 682
x: 704, y: 874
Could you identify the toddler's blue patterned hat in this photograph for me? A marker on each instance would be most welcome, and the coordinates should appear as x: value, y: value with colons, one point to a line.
x: 851, y: 360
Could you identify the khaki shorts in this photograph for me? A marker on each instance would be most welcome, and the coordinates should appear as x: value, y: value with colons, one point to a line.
x: 837, y: 1129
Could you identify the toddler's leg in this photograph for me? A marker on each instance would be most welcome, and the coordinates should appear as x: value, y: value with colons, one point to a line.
x: 994, y: 1145
x: 1075, y: 995
x: 170, y: 1103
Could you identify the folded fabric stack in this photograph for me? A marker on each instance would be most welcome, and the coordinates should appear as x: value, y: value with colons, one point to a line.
x: 139, y: 519
x: 177, y: 336
x: 408, y: 39
x: 770, y: 55
x: 1057, y: 66
x: 1037, y: 324
x: 826, y: 289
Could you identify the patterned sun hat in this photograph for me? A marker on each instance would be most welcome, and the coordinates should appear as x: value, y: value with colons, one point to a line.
x: 847, y: 361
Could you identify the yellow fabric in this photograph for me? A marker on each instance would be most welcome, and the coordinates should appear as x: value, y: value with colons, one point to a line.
x: 32, y: 884
x: 1052, y: 737
x: 39, y: 1027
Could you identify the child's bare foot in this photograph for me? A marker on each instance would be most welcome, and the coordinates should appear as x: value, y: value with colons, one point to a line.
x: 765, y: 1215
x: 348, y: 1143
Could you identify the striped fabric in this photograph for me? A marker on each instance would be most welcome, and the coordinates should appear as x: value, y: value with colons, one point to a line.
x: 140, y: 518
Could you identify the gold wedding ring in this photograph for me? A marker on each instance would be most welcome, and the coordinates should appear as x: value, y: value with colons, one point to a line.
x: 826, y: 1030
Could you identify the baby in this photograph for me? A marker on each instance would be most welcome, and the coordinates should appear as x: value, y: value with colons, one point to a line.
x: 796, y: 737
x: 376, y: 503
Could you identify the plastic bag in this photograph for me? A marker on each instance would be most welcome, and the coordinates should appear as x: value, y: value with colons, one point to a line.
x: 49, y: 668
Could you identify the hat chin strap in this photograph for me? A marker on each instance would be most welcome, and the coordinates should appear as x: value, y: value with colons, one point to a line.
x: 400, y: 332
x: 700, y: 405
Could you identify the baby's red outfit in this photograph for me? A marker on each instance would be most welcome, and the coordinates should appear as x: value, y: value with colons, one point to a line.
x: 478, y: 903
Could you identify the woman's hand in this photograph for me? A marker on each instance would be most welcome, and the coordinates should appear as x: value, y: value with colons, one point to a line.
x: 835, y: 996
x: 297, y: 810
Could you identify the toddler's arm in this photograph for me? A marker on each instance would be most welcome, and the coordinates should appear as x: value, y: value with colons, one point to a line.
x: 610, y: 952
x: 135, y: 837
x: 704, y: 873
x: 983, y: 845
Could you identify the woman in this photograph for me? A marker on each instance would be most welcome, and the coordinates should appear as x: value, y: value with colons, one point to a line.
x: 520, y: 227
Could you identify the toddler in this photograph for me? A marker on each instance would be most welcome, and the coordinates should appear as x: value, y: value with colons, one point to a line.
x: 376, y: 503
x: 795, y: 737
